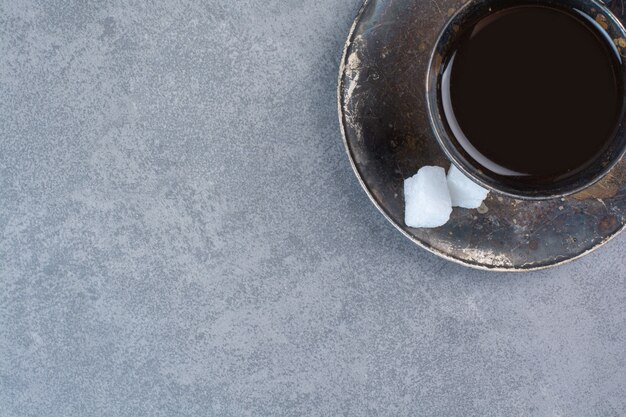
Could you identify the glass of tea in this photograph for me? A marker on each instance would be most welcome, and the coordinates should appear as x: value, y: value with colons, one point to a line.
x: 527, y: 97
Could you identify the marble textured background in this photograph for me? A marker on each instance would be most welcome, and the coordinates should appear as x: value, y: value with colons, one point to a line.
x: 181, y: 235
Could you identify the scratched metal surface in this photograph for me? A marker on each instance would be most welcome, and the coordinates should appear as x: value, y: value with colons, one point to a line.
x: 388, y: 138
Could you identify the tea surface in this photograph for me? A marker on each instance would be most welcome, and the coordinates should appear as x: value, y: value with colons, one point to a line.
x: 533, y: 92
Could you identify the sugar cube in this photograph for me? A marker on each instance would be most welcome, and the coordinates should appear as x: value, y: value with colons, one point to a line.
x: 463, y: 191
x: 426, y: 197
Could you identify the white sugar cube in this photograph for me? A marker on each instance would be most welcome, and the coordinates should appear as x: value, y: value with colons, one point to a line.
x: 463, y: 191
x: 426, y: 198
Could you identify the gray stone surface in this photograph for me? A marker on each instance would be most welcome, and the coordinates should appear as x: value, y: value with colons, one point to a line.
x: 181, y: 235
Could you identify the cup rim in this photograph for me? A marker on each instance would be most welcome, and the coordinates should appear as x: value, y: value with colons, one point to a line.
x: 436, y: 119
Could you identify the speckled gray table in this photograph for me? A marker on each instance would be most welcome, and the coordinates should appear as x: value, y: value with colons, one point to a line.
x: 182, y: 235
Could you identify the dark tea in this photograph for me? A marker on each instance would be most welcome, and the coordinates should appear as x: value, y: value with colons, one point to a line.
x: 533, y: 92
